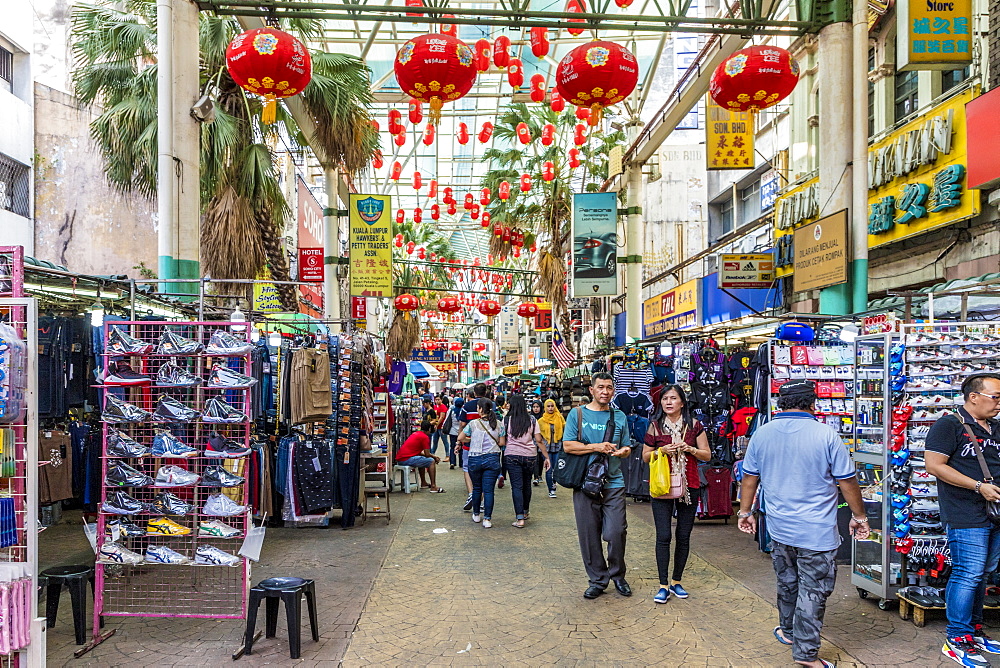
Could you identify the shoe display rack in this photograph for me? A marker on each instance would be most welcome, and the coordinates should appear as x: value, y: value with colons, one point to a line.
x: 176, y: 426
x: 829, y: 364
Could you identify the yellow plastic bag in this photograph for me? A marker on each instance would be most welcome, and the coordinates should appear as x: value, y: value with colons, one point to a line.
x: 659, y: 474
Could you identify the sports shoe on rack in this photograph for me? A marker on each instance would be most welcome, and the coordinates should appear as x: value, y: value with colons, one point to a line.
x: 166, y: 444
x: 125, y: 528
x: 120, y: 343
x: 171, y: 375
x: 924, y: 490
x: 218, y: 476
x: 169, y: 409
x: 922, y: 339
x: 175, y: 344
x: 122, y: 475
x: 925, y: 384
x: 926, y: 505
x: 217, y: 529
x: 113, y: 553
x: 227, y: 378
x: 166, y: 503
x: 163, y: 526
x: 121, y: 373
x: 225, y: 448
x: 172, y: 475
x: 224, y: 343
x: 209, y: 555
x: 117, y: 411
x: 120, y: 503
x: 158, y: 554
x: 218, y: 411
x: 120, y: 445
x: 964, y: 651
x: 220, y: 505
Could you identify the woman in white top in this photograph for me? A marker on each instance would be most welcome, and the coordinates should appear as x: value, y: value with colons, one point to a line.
x: 485, y: 437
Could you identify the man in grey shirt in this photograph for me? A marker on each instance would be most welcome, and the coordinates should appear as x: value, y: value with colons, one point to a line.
x: 799, y: 463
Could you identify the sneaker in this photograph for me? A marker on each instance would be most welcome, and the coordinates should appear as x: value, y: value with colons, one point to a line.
x: 926, y: 505
x: 218, y: 411
x: 477, y: 518
x: 125, y: 528
x: 924, y: 490
x: 120, y: 343
x: 217, y: 529
x: 166, y: 444
x: 225, y: 448
x: 985, y: 643
x: 227, y: 378
x: 169, y: 409
x: 166, y: 503
x: 172, y: 475
x: 120, y: 445
x: 158, y: 554
x: 171, y: 375
x: 487, y: 524
x: 113, y: 553
x: 217, y: 476
x: 552, y: 494
x: 964, y: 651
x: 468, y: 504
x: 220, y: 505
x: 662, y: 596
x: 121, y: 373
x: 175, y: 344
x: 209, y: 555
x: 678, y: 591
x: 123, y: 475
x: 162, y: 526
x: 117, y: 411
x: 120, y: 503
x: 224, y: 343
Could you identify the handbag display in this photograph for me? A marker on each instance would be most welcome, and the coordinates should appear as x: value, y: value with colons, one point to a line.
x: 992, y: 507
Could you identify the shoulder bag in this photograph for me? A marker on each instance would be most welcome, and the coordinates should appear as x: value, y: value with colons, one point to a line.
x: 597, y: 470
x: 448, y: 420
x: 992, y: 507
x: 571, y: 469
x: 668, y: 479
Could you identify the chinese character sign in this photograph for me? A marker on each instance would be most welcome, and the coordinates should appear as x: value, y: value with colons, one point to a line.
x: 670, y: 311
x: 938, y: 34
x: 728, y: 138
x: 370, y: 250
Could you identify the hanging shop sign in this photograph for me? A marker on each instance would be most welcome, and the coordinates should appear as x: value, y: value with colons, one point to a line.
x: 673, y: 310
x: 265, y: 295
x: 615, y: 160
x: 770, y: 184
x: 728, y: 138
x: 595, y: 244
x: 933, y: 34
x: 821, y: 253
x: 745, y: 272
x: 311, y: 265
x: 793, y: 208
x: 917, y: 176
x: 359, y: 308
x: 543, y: 319
x: 880, y: 324
x: 512, y: 370
x: 370, y: 249
x: 309, y: 218
x: 981, y: 116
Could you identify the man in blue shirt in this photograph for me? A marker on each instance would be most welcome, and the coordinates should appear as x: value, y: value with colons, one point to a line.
x: 799, y: 464
x: 602, y: 430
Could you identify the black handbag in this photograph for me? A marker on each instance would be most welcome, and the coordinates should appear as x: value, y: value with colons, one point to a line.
x: 597, y: 475
x: 992, y: 507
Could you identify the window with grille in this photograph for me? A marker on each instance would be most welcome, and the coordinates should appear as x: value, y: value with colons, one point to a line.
x: 906, y: 94
x: 6, y: 70
x: 14, y: 190
x: 952, y: 78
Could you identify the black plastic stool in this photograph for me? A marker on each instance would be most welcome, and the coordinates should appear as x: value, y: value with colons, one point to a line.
x: 75, y: 579
x: 290, y: 590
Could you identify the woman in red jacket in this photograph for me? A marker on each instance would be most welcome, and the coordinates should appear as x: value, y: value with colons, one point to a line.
x: 674, y: 433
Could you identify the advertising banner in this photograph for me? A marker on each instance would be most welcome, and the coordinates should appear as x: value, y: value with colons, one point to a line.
x: 370, y: 246
x: 543, y: 321
x: 821, y: 253
x: 672, y: 310
x: 309, y: 216
x: 595, y: 244
x: 933, y: 34
x: 728, y: 138
x: 265, y: 295
x: 746, y: 272
x: 311, y: 265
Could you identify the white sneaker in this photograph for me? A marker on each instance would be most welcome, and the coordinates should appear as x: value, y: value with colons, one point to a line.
x: 217, y: 529
x: 221, y: 505
x: 159, y: 554
x: 113, y: 553
x: 172, y: 475
x: 209, y: 555
x: 487, y: 524
x: 476, y: 518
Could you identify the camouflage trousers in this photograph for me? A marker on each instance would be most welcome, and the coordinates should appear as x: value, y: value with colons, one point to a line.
x: 805, y: 580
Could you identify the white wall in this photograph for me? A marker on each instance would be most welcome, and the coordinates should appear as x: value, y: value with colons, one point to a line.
x: 16, y: 113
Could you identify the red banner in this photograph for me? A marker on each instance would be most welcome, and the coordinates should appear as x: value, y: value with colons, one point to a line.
x: 310, y: 236
x: 359, y: 308
x: 311, y: 264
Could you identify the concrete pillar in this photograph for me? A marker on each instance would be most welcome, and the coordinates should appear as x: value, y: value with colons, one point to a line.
x: 858, y: 269
x: 633, y: 249
x: 331, y: 248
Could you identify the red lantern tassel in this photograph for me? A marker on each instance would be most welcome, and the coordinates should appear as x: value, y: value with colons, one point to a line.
x: 596, y: 113
x: 436, y: 104
x: 269, y: 113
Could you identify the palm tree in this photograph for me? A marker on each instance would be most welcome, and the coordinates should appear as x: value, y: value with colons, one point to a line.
x: 114, y: 46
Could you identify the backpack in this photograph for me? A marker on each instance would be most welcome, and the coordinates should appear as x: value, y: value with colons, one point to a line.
x: 448, y: 420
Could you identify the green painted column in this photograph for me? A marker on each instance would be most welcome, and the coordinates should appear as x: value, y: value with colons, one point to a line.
x: 859, y: 284
x: 170, y: 267
x: 835, y: 300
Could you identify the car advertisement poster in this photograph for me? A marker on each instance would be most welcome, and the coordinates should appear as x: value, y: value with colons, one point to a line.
x: 370, y: 247
x: 595, y: 244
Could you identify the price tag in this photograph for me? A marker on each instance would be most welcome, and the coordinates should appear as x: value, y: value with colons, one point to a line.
x: 316, y: 465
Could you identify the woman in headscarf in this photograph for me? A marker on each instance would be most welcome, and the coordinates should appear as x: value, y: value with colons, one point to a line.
x: 551, y: 424
x: 536, y: 412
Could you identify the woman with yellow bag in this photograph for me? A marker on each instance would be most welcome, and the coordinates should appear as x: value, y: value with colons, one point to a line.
x: 675, y: 443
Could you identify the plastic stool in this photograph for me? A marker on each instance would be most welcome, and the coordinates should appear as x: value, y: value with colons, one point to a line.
x: 290, y: 590
x: 405, y: 473
x: 75, y: 579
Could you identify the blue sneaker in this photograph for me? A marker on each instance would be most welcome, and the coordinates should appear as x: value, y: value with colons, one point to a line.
x: 985, y: 643
x: 662, y: 596
x: 678, y: 591
x: 167, y: 445
x: 964, y: 651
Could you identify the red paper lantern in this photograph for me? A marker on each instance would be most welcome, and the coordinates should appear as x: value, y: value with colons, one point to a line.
x: 400, y: 216
x: 454, y: 346
x: 548, y: 134
x: 525, y: 183
x: 435, y: 68
x: 429, y: 134
x: 489, y: 307
x: 463, y: 134
x: 410, y: 246
x: 418, y: 181
x: 395, y: 126
x: 523, y: 133
x: 449, y: 28
x: 414, y: 3
x: 452, y: 209
x: 537, y: 93
x: 498, y: 230
x: 576, y: 7
x: 433, y: 189
x: 474, y: 211
x: 418, y: 215
x: 527, y: 310
x: 470, y: 199
x: 501, y: 51
x: 486, y: 219
x: 574, y: 158
x: 597, y: 75
x: 449, y: 305
x: 556, y: 101
x: 479, y: 347
x: 516, y: 252
x: 422, y: 253
x: 503, y: 190
x: 398, y: 243
x: 416, y: 113
x: 754, y: 78
x: 548, y: 170
x: 400, y: 139
x: 539, y: 42
x: 486, y: 132
x: 448, y: 197
x: 269, y: 63
x: 506, y: 233
x: 397, y: 171
x: 483, y: 53
x: 583, y: 113
x: 377, y: 160
x: 515, y: 73
x: 484, y: 198
x: 435, y: 212
x: 406, y: 303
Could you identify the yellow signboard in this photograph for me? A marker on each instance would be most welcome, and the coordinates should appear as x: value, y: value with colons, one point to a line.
x: 671, y: 310
x: 370, y: 246
x: 821, y: 253
x: 917, y: 175
x: 265, y: 296
x: 728, y: 138
x: 933, y: 34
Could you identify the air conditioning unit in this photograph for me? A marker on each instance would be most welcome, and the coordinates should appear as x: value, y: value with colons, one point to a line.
x: 533, y: 340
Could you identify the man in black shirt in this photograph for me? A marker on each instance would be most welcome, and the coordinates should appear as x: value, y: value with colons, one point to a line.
x: 963, y: 494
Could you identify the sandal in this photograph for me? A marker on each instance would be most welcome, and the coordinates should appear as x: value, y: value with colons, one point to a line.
x: 780, y: 636
x: 437, y: 490
x: 518, y: 524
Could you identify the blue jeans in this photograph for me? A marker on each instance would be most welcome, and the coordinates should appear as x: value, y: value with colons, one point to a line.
x: 484, y: 469
x: 452, y: 457
x: 438, y: 437
x: 549, y: 475
x: 974, y: 554
x: 520, y: 469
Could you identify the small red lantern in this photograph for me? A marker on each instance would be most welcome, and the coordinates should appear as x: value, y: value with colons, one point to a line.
x: 462, y: 134
x: 539, y: 42
x: 400, y: 216
x: 429, y: 134
x: 597, y: 75
x: 537, y: 93
x: 433, y: 189
x: 527, y: 310
x: 504, y: 190
x: 506, y: 232
x: 452, y: 209
x: 418, y: 215
x: 435, y: 68
x: 398, y: 243
x: 449, y: 28
x: 486, y: 219
x: 269, y: 63
x: 483, y: 53
x: 395, y: 125
x: 448, y: 197
x: 556, y: 101
x: 377, y: 160
x: 583, y: 113
x: 479, y: 347
x: 576, y: 7
x: 548, y: 170
x: 454, y: 346
x: 435, y: 212
x: 489, y: 307
x: 470, y: 199
x: 486, y: 132
x: 548, y: 134
x: 418, y: 181
x: 501, y: 51
x: 397, y: 171
x: 414, y: 3
x: 449, y: 305
x: 422, y: 253
x: 406, y: 303
x: 410, y: 246
x: 498, y: 230
x: 525, y: 183
x: 474, y: 211
x: 574, y: 158
x: 754, y: 78
x: 400, y: 139
x: 523, y: 133
x: 416, y: 113
x: 516, y: 252
x: 579, y: 134
x: 515, y: 73
x: 485, y: 196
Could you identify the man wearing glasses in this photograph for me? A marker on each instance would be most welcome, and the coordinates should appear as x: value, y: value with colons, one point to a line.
x: 963, y: 493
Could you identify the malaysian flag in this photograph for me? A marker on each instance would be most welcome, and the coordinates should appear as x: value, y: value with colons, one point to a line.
x: 564, y: 357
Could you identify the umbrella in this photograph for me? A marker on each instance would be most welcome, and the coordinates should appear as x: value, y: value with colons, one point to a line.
x: 459, y: 386
x: 423, y: 370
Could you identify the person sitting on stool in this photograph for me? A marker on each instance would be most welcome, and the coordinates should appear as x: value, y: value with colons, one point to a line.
x: 416, y: 452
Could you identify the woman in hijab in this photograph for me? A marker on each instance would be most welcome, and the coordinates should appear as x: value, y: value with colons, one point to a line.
x: 551, y: 424
x: 536, y: 412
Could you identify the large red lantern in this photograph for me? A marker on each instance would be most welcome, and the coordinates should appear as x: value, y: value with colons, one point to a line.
x: 435, y: 68
x: 489, y: 307
x: 597, y: 75
x: 406, y: 303
x: 449, y: 305
x: 501, y: 51
x: 269, y: 63
x: 754, y: 78
x: 527, y: 310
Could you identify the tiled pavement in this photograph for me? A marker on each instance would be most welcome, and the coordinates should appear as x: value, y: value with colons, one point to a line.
x: 503, y: 596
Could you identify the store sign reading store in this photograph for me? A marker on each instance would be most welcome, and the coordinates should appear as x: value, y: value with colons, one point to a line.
x: 937, y: 34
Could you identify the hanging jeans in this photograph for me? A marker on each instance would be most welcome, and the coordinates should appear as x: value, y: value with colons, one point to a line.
x: 520, y: 469
x: 484, y: 469
x: 663, y: 514
x: 974, y: 553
